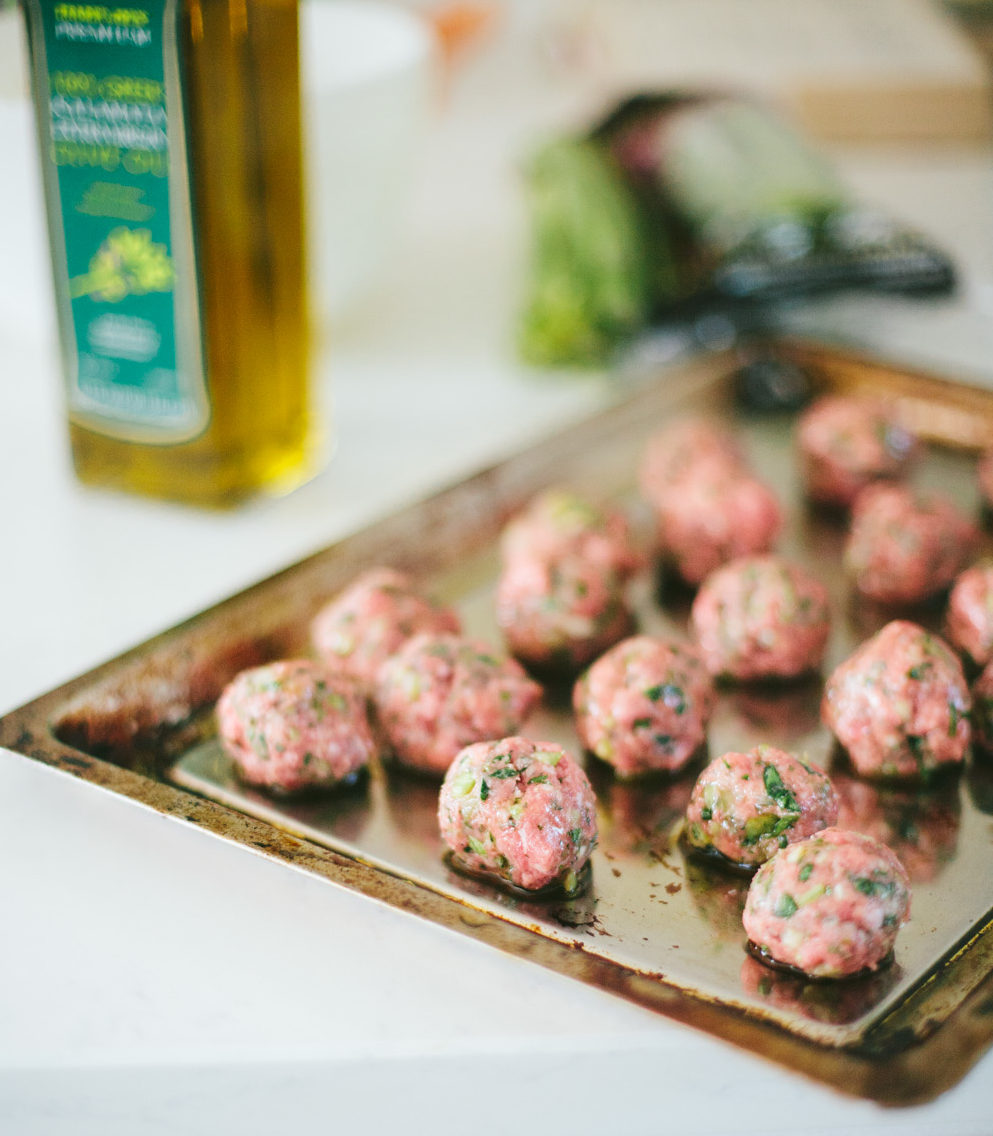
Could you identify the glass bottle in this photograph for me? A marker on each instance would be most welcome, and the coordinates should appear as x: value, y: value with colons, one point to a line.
x: 170, y: 139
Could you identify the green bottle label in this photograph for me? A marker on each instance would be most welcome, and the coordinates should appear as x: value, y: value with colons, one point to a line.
x: 113, y: 139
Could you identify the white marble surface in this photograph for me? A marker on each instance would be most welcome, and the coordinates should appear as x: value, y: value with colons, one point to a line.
x: 158, y: 980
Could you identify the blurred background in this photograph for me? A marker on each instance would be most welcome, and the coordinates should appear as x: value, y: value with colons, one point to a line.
x: 423, y: 123
x: 421, y: 116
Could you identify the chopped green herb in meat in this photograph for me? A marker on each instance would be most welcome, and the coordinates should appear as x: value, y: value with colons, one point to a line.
x: 785, y: 906
x: 767, y: 824
x: 777, y: 790
x: 918, y: 747
x: 669, y: 693
x: 873, y: 887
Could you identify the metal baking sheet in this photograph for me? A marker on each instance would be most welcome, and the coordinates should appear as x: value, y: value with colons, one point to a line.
x: 656, y: 924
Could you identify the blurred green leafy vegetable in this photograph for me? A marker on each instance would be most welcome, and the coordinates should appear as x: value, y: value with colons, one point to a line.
x: 693, y: 197
x: 589, y: 274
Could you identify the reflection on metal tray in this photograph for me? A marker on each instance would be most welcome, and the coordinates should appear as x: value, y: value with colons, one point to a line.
x: 655, y: 925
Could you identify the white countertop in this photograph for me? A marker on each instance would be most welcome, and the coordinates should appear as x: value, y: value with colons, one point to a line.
x: 157, y: 979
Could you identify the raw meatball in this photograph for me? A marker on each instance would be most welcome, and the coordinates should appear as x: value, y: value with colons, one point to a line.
x: 713, y: 516
x: 560, y: 523
x: 294, y: 725
x: 518, y: 810
x: 982, y: 710
x: 357, y: 631
x: 846, y: 443
x: 683, y: 447
x: 970, y: 613
x: 900, y: 704
x: 559, y: 613
x: 905, y: 547
x: 708, y: 506
x: 442, y: 692
x: 761, y: 617
x: 830, y: 906
x: 749, y: 805
x: 644, y: 705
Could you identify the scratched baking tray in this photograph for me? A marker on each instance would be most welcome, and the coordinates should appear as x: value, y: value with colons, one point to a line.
x: 656, y: 925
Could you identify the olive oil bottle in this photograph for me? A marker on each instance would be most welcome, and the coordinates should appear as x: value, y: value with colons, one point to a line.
x: 170, y: 139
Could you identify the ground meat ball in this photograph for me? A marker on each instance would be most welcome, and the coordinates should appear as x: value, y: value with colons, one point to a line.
x: 749, y: 805
x: 559, y: 523
x: 713, y: 516
x: 293, y: 725
x: 904, y: 547
x: 442, y: 692
x: 846, y: 443
x: 761, y: 617
x: 358, y: 630
x: 900, y: 704
x: 982, y: 710
x: 970, y: 613
x: 644, y: 705
x: 683, y: 446
x: 830, y: 906
x: 709, y: 508
x: 560, y: 613
x: 519, y: 810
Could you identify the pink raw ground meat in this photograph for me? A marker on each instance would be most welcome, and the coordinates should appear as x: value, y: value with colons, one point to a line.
x: 709, y: 508
x: 644, y: 705
x: 521, y: 811
x: 442, y: 692
x: 559, y: 523
x: 846, y: 443
x: 761, y: 617
x: 558, y: 613
x: 970, y: 613
x: 900, y: 704
x: 749, y: 805
x: 830, y: 906
x: 680, y: 449
x: 371, y: 619
x: 294, y: 725
x: 905, y: 547
x: 714, y: 516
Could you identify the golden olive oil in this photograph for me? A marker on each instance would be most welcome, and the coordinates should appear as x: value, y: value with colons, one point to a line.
x: 171, y: 143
